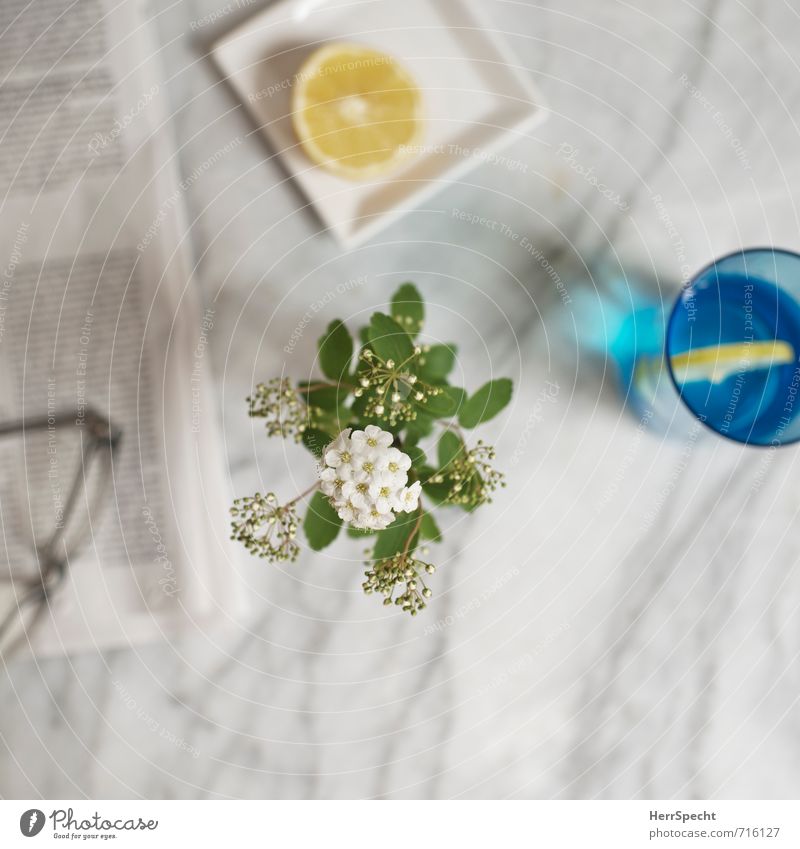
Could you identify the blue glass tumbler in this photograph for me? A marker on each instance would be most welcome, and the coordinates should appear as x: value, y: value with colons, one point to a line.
x: 732, y: 346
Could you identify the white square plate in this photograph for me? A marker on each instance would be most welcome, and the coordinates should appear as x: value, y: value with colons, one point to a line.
x: 476, y: 97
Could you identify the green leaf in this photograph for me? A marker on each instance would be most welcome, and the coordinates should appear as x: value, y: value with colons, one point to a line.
x: 408, y: 309
x: 450, y: 446
x: 444, y: 405
x: 363, y: 335
x: 316, y: 440
x: 486, y: 403
x: 419, y: 427
x: 429, y: 529
x: 437, y: 492
x: 389, y: 340
x: 437, y: 362
x: 326, y: 396
x: 321, y: 524
x: 392, y: 540
x: 358, y: 418
x: 425, y: 473
x: 359, y: 405
x: 417, y: 455
x: 335, y: 351
x: 332, y: 422
x: 358, y: 533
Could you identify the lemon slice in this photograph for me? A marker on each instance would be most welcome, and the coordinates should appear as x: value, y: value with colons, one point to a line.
x: 718, y: 362
x: 356, y: 111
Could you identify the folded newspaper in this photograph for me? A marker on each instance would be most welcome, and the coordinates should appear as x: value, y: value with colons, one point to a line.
x: 99, y: 321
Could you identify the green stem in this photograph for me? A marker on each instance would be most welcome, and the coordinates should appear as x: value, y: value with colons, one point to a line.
x: 302, y: 495
x: 456, y: 428
x: 413, y: 530
x: 311, y: 387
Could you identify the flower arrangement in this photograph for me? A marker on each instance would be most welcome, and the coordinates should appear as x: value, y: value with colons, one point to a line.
x: 370, y: 424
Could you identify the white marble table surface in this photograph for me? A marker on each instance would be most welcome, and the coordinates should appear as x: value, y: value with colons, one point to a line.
x: 624, y: 621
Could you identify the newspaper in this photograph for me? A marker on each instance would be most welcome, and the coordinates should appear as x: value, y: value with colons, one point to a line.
x: 98, y: 316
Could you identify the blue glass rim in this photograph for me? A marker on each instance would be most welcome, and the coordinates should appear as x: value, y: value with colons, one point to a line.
x: 674, y: 311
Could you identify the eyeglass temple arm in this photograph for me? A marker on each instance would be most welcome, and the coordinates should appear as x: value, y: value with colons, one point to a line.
x: 101, y: 433
x: 99, y: 427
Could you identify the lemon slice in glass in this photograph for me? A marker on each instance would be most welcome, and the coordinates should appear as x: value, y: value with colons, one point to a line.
x: 356, y: 111
x: 718, y: 362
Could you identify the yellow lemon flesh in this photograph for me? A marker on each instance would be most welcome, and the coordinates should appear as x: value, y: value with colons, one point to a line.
x: 356, y: 111
x: 718, y: 362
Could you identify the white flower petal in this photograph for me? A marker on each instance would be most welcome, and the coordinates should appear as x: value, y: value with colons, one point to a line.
x: 383, y: 520
x: 358, y: 440
x: 409, y: 497
x: 337, y: 452
x: 361, y: 501
x: 345, y: 471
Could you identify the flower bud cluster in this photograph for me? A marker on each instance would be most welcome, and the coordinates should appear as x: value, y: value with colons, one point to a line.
x: 278, y: 403
x: 471, y: 477
x: 394, y: 390
x: 390, y: 574
x: 266, y: 528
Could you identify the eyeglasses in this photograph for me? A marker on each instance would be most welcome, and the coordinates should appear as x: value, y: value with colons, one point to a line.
x: 45, y: 524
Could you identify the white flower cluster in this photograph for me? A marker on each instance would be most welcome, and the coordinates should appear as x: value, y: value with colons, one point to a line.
x: 365, y: 478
